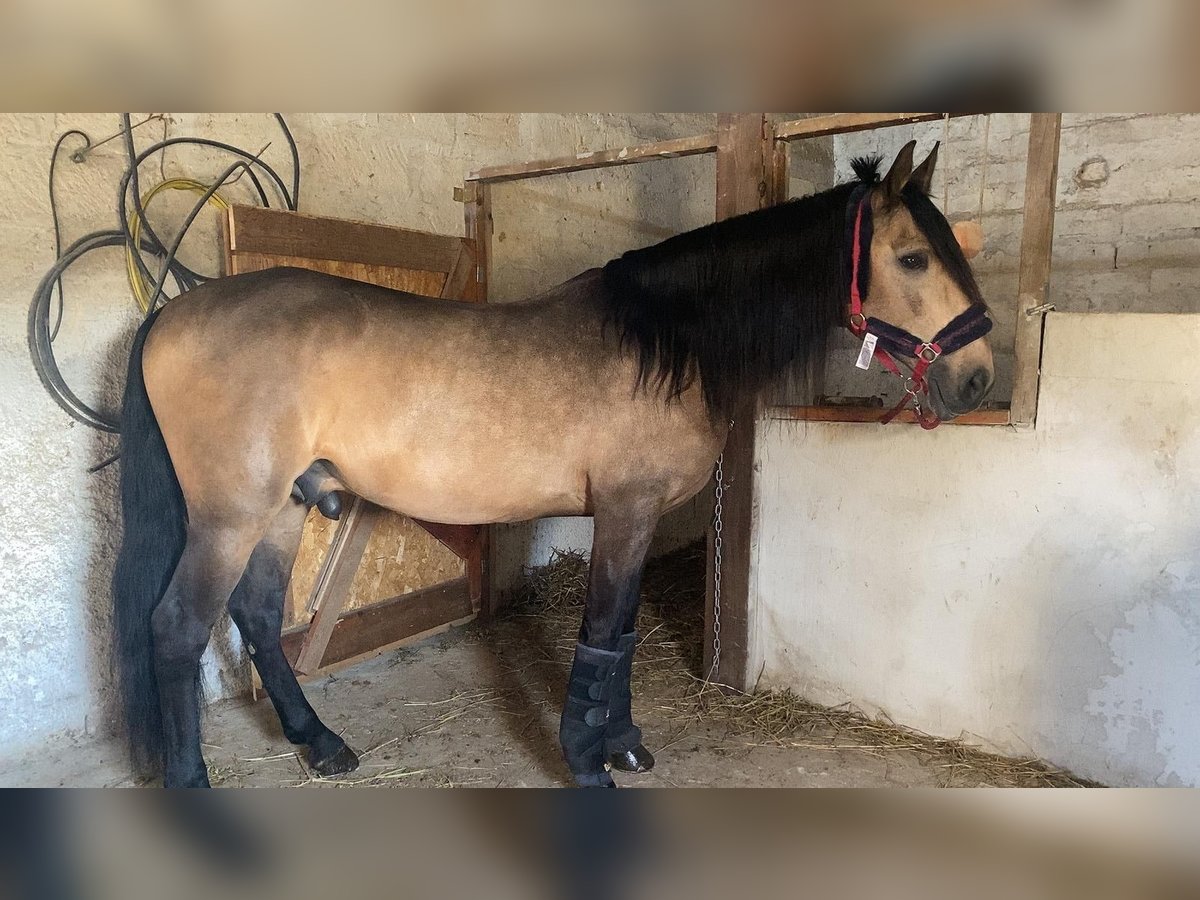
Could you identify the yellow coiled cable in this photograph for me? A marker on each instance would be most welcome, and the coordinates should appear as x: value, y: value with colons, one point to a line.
x: 138, y: 283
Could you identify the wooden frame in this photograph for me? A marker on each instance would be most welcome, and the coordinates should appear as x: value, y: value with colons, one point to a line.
x: 752, y: 171
x: 257, y: 238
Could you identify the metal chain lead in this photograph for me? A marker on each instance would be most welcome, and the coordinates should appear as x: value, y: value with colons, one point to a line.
x: 719, y: 494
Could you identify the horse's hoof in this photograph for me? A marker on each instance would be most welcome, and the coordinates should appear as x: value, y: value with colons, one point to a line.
x: 637, y: 760
x: 343, y: 761
x: 598, y: 780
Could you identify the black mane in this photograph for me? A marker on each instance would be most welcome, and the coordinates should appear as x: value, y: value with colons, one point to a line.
x: 747, y: 301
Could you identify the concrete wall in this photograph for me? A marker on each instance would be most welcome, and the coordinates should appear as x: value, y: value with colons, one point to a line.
x: 1033, y: 591
x: 58, y: 524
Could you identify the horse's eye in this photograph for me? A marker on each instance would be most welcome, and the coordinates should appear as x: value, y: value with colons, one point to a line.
x: 915, y: 262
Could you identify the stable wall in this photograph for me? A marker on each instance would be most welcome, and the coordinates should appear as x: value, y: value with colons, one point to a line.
x: 58, y: 525
x: 1033, y: 591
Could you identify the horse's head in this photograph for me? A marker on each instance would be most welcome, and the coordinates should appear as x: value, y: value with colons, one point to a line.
x: 920, y: 281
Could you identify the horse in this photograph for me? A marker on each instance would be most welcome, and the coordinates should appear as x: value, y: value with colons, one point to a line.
x: 254, y: 397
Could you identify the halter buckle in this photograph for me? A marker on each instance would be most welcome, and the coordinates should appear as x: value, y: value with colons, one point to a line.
x: 858, y: 321
x: 929, y: 352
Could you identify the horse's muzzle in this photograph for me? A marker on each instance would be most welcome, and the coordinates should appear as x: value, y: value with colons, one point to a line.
x: 951, y: 397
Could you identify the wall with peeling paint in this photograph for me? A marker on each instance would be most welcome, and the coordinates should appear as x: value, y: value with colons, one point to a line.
x: 1035, y: 592
x: 58, y: 525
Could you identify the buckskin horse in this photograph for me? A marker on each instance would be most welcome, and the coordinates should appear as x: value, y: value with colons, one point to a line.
x: 254, y: 397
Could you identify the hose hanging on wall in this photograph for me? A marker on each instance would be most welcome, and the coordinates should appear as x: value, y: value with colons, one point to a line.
x: 140, y: 241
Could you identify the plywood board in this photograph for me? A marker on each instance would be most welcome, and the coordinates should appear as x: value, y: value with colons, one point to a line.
x: 400, y: 556
x: 415, y: 281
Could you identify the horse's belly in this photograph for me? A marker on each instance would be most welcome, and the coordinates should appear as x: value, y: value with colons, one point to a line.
x: 466, y: 489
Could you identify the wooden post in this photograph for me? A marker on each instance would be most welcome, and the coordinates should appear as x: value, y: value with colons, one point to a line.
x: 746, y: 166
x: 1037, y: 240
x: 477, y: 219
x: 780, y: 160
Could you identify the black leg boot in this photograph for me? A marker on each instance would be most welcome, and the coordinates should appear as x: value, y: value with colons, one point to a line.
x: 585, y: 715
x: 623, y: 746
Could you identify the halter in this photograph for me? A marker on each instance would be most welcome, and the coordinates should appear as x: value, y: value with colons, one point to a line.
x: 892, y: 341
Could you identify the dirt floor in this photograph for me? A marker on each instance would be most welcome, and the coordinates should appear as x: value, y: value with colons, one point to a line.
x: 479, y: 707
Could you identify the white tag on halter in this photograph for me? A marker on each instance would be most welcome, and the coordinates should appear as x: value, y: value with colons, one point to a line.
x: 867, y: 353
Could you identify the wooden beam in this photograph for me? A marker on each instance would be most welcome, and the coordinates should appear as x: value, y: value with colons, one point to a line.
x: 844, y: 123
x: 853, y: 414
x: 598, y: 159
x: 745, y: 163
x: 459, y: 279
x: 460, y: 540
x: 279, y: 232
x: 334, y: 579
x: 1037, y: 244
x: 379, y: 626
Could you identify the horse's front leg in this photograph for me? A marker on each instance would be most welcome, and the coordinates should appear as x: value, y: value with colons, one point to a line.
x: 599, y: 682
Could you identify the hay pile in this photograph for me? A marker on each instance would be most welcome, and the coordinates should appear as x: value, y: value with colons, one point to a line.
x: 668, y: 681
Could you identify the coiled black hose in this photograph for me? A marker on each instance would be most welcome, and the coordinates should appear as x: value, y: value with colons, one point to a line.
x: 42, y: 331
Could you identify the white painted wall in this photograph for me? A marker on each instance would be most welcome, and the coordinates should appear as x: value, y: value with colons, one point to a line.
x: 1037, y: 592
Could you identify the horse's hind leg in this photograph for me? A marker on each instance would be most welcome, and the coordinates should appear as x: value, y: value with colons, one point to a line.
x: 599, y: 684
x: 211, y: 564
x: 257, y: 609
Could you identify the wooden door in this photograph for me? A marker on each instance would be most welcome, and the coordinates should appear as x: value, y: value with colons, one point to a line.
x: 374, y: 578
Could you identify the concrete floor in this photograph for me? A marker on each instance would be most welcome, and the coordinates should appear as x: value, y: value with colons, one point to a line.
x: 479, y: 706
x: 452, y: 712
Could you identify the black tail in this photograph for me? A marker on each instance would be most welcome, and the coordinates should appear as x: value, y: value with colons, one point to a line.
x: 154, y: 513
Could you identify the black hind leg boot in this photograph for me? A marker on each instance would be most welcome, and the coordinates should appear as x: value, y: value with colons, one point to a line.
x: 623, y: 746
x: 585, y: 715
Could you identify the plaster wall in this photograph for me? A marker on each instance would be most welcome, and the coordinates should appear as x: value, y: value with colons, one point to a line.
x: 1034, y: 591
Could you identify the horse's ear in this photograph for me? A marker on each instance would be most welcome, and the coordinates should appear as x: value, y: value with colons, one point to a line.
x: 898, y: 174
x: 922, y: 176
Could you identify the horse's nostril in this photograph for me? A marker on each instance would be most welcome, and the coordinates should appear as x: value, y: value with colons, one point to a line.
x: 976, y: 387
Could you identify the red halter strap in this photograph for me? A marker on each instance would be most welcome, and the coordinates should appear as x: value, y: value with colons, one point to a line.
x: 892, y: 341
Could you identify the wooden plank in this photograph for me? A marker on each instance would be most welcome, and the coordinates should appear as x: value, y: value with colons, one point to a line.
x: 284, y: 233
x: 227, y: 247
x: 744, y: 155
x: 458, y: 282
x: 1037, y: 244
x: 414, y: 281
x: 871, y: 414
x: 598, y: 159
x: 381, y: 625
x: 460, y: 540
x: 333, y: 584
x: 844, y: 123
x: 477, y: 220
